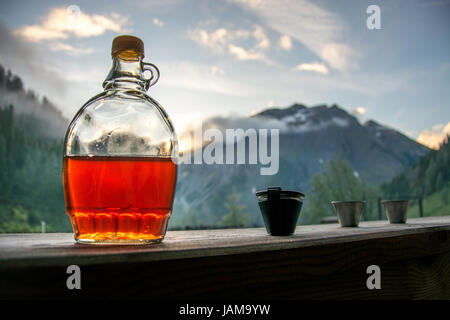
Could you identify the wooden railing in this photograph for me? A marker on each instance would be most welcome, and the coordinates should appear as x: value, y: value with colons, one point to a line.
x: 317, y: 262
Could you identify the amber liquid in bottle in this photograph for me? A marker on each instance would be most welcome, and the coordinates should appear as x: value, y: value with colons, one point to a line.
x: 119, y: 198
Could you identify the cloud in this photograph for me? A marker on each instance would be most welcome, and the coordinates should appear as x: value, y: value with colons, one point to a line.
x: 223, y: 40
x: 70, y: 50
x: 216, y: 70
x: 243, y: 55
x: 434, y: 138
x: 158, y: 22
x: 339, y: 56
x: 21, y: 57
x: 359, y: 111
x: 314, y: 66
x: 316, y: 28
x: 61, y: 23
x: 215, y: 40
x: 260, y: 36
x: 285, y: 42
x: 200, y: 77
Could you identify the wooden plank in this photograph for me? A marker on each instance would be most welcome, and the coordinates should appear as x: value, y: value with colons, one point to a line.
x: 60, y: 249
x: 318, y: 262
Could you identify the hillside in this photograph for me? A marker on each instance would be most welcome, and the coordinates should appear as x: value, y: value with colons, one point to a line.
x: 429, y: 175
x: 38, y: 115
x: 436, y: 204
x: 31, y: 138
x: 31, y: 132
x: 309, y: 138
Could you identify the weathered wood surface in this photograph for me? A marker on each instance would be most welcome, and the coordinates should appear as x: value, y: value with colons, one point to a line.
x: 321, y: 261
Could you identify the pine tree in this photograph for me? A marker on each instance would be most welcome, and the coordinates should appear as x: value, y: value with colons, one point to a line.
x: 30, y: 179
x: 338, y: 182
x: 439, y: 181
x: 236, y: 217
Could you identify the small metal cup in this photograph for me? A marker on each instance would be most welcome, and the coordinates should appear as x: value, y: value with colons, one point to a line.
x: 396, y: 210
x: 280, y: 210
x: 348, y: 212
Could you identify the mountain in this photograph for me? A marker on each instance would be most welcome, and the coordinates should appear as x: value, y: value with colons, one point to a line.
x: 428, y: 179
x: 31, y: 139
x: 376, y: 150
x: 309, y: 137
x: 38, y: 116
x: 31, y: 132
x: 431, y: 174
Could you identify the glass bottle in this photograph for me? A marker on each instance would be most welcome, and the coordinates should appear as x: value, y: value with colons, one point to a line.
x: 119, y: 168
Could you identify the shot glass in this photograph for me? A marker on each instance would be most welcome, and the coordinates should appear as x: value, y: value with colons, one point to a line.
x: 396, y: 210
x: 348, y: 212
x: 280, y: 210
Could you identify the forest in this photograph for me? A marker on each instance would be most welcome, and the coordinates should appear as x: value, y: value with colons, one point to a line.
x: 30, y: 178
x: 31, y: 185
x: 427, y: 180
x: 31, y: 191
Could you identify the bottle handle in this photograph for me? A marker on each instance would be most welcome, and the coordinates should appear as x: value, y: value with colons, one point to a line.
x: 146, y: 66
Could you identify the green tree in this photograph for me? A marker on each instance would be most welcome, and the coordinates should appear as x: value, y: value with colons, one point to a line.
x: 236, y: 217
x: 30, y: 178
x: 16, y: 220
x: 338, y: 182
x: 444, y: 195
x: 185, y: 219
x: 439, y: 181
x: 431, y: 174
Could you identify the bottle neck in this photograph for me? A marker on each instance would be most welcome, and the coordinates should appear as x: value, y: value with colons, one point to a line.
x: 126, y: 74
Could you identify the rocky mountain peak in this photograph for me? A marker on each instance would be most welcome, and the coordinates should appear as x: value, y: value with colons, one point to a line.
x: 280, y: 113
x: 298, y: 116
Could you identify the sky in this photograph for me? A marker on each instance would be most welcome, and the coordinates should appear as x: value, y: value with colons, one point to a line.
x: 238, y: 57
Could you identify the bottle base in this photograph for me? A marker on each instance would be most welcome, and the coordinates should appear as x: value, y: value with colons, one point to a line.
x: 118, y: 241
x: 127, y: 228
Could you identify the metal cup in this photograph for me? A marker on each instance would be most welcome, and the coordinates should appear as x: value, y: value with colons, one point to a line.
x: 348, y: 212
x: 280, y: 210
x: 396, y: 210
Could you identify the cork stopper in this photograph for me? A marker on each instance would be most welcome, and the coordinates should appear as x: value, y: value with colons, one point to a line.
x: 127, y: 43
